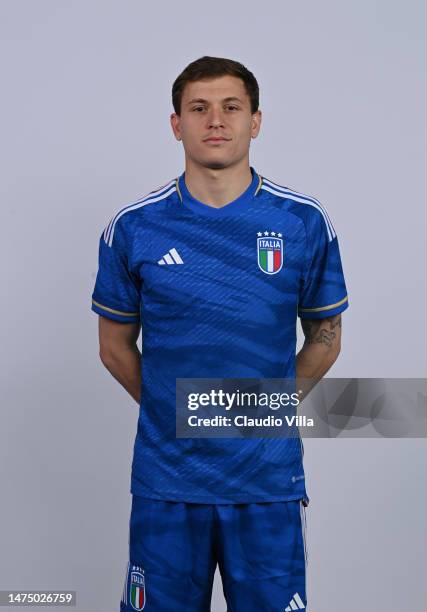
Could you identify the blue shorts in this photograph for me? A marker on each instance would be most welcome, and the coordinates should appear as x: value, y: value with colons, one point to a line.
x: 174, y: 548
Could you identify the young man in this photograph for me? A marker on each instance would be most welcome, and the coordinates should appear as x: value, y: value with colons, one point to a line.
x: 186, y: 265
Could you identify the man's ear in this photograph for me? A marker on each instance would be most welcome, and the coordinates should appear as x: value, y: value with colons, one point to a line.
x: 175, y: 124
x: 256, y: 123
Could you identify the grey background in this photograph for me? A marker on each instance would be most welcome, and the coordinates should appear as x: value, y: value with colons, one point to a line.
x: 85, y: 129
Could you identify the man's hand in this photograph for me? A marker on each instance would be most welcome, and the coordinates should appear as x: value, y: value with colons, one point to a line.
x: 321, y: 348
x: 120, y: 354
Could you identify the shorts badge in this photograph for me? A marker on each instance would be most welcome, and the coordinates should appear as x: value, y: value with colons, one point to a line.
x: 137, y: 588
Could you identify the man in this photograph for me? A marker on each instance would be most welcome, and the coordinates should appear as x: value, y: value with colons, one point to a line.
x: 190, y: 265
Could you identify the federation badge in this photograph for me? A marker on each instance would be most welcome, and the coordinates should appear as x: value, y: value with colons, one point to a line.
x: 137, y: 588
x: 270, y: 252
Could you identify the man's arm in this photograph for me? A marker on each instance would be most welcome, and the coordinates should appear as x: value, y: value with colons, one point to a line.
x: 120, y: 354
x: 321, y: 348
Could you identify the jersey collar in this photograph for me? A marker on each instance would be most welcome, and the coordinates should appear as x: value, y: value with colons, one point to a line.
x: 206, y: 209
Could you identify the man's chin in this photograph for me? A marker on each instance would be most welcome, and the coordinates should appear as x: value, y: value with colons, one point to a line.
x: 214, y: 162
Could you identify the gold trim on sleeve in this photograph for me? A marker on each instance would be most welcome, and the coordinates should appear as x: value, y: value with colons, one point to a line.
x: 259, y: 184
x: 178, y: 189
x: 118, y: 312
x: 324, y: 307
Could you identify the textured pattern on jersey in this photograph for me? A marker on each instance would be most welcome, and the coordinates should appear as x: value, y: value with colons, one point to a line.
x: 216, y: 314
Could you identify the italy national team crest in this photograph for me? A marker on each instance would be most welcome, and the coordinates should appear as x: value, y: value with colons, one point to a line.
x: 270, y: 252
x: 137, y: 588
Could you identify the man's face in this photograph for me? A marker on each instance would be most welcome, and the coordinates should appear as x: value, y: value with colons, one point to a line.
x: 216, y: 124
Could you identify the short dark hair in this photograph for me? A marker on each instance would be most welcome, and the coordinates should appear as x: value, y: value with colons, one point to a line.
x: 208, y: 67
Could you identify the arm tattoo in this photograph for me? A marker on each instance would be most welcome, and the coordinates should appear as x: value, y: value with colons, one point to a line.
x: 321, y: 331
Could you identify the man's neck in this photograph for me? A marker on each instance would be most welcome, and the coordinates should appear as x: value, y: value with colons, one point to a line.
x: 217, y: 187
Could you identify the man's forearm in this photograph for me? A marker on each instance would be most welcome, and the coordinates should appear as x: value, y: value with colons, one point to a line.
x: 311, y: 366
x: 320, y: 350
x: 125, y: 366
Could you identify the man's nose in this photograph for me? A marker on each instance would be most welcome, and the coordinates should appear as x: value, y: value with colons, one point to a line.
x: 215, y: 117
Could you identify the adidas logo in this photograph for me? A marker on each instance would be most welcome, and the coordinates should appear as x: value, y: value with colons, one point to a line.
x: 171, y: 257
x: 296, y: 603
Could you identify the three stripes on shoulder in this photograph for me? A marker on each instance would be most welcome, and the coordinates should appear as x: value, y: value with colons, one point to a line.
x: 154, y: 196
x: 296, y: 196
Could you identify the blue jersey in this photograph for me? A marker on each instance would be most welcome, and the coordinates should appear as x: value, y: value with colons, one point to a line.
x: 217, y: 292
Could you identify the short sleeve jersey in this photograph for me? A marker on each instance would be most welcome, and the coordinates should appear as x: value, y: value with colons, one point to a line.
x: 217, y: 292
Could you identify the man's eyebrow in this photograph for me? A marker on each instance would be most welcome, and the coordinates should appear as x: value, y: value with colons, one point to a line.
x: 202, y: 101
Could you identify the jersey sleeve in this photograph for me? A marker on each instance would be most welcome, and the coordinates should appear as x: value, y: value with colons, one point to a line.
x: 116, y: 294
x: 323, y: 290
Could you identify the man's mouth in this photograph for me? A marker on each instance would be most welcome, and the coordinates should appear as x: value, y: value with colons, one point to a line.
x: 216, y: 139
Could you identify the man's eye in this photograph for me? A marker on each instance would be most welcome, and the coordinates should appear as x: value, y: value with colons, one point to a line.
x: 229, y: 107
